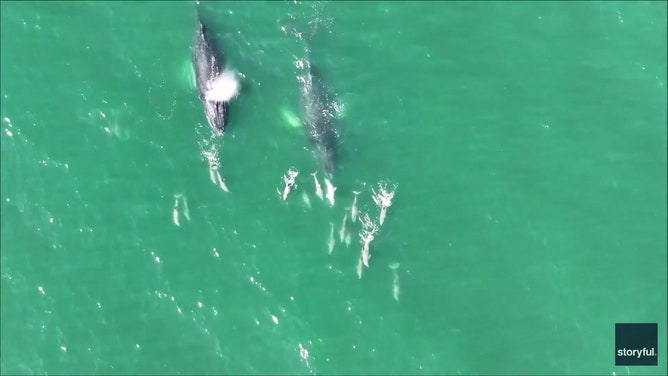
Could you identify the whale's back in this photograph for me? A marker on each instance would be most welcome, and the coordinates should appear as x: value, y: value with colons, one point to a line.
x: 319, y: 114
x: 207, y: 59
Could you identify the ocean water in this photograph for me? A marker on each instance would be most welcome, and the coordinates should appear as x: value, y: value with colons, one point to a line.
x: 526, y: 142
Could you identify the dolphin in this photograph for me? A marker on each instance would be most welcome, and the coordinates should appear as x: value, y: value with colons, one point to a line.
x: 395, y: 281
x: 289, y: 181
x: 353, y: 208
x: 342, y: 231
x: 330, y: 243
x: 318, y: 114
x: 318, y: 188
x: 215, y: 85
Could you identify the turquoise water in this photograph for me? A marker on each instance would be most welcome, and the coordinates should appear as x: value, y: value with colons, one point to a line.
x: 527, y: 142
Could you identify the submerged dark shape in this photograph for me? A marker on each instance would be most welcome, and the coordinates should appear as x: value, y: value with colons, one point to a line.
x: 318, y: 119
x: 208, y: 63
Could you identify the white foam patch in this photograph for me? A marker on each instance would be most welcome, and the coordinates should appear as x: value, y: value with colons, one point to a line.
x: 223, y: 87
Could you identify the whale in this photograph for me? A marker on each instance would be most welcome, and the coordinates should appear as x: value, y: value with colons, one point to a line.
x: 215, y: 85
x: 318, y: 114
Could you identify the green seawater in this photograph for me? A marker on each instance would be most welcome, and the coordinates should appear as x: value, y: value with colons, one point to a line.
x: 527, y: 142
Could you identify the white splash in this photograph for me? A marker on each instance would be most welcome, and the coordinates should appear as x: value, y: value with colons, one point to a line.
x: 303, y: 353
x: 223, y: 87
x: 383, y: 199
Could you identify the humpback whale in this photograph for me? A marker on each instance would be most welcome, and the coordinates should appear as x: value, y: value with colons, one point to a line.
x: 318, y: 118
x: 215, y: 85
